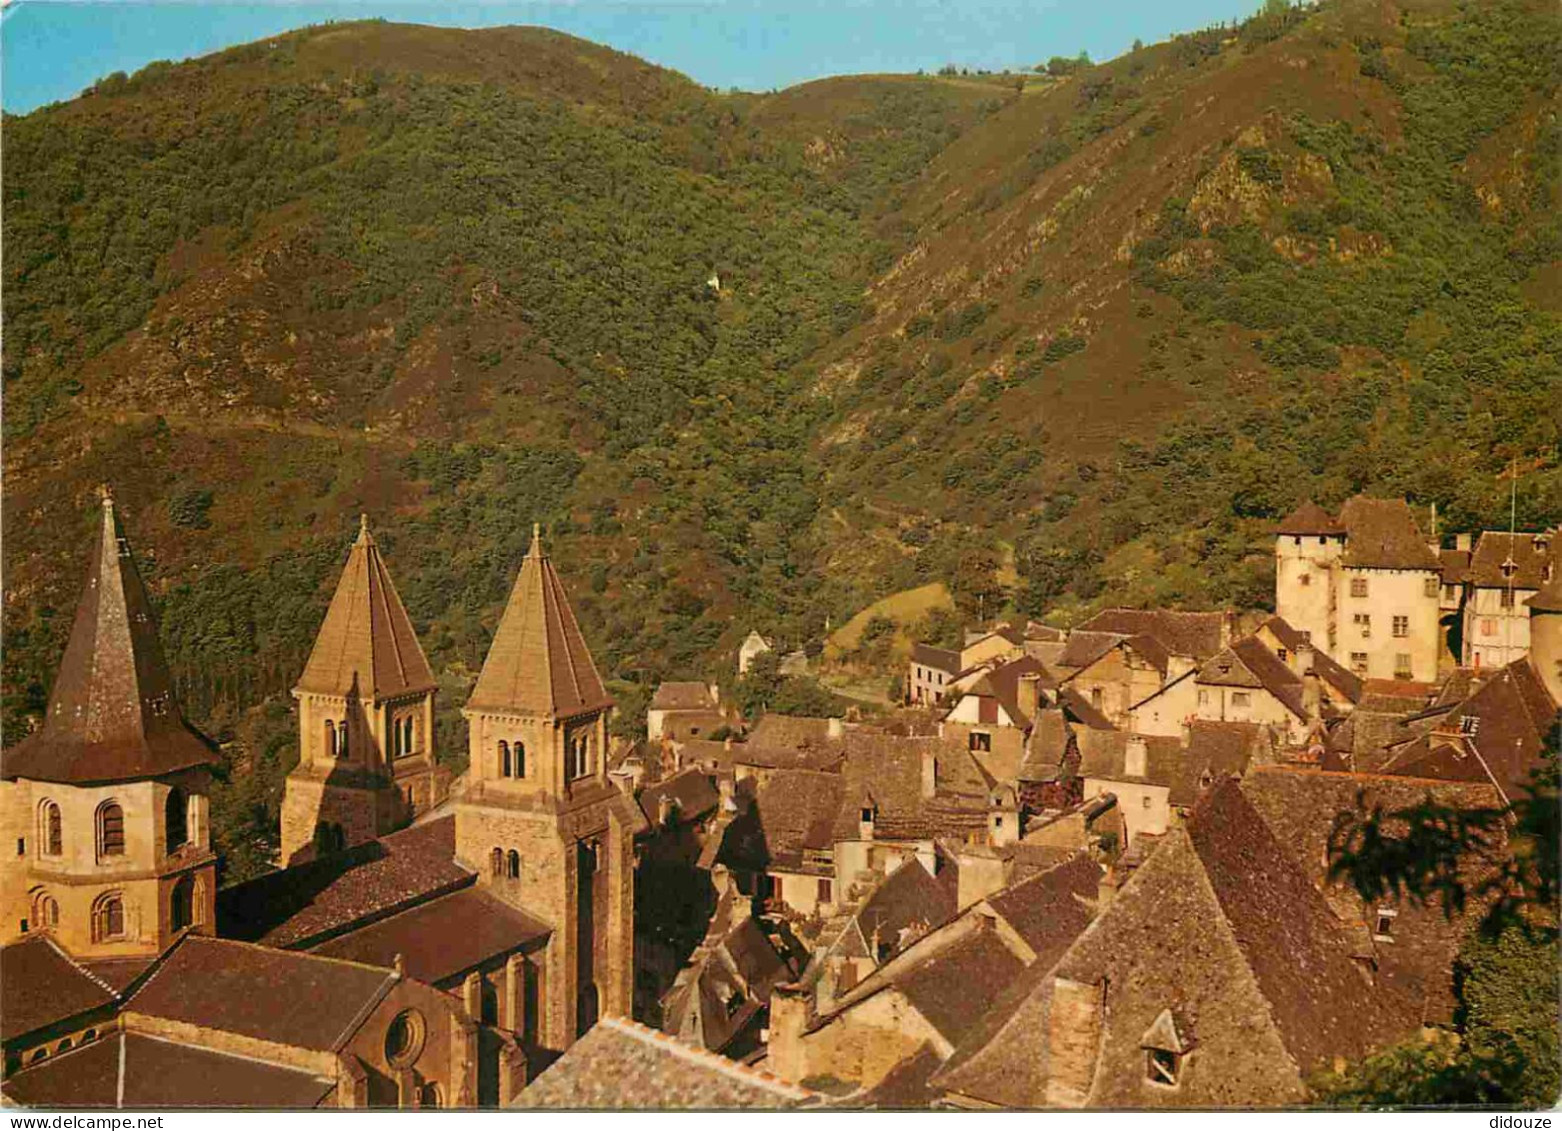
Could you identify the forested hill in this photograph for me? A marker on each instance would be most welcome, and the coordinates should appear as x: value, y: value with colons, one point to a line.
x: 755, y: 360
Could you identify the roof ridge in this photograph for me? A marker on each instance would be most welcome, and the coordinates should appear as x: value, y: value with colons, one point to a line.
x: 63, y: 953
x: 742, y: 1072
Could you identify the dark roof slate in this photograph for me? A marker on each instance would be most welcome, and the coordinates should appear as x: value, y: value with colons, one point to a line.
x: 1181, y: 633
x: 1382, y: 534
x: 41, y: 985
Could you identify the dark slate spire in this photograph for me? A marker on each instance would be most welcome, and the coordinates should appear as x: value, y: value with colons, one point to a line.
x: 112, y: 715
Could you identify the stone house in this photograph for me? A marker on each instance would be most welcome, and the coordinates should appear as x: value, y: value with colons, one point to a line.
x: 753, y: 645
x: 1365, y: 587
x: 991, y: 714
x: 1002, y: 644
x: 684, y: 709
x: 929, y: 673
x: 1505, y: 571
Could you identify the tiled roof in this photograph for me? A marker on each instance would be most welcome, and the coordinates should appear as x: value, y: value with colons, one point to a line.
x: 281, y: 996
x: 1183, y: 634
x: 904, y: 1088
x: 1528, y: 556
x: 1343, y: 680
x: 1310, y: 518
x: 622, y: 1065
x: 1003, y: 684
x: 1049, y: 909
x: 1081, y: 710
x: 689, y: 695
x: 1085, y: 647
x: 1254, y: 665
x: 112, y: 713
x: 788, y: 732
x: 138, y: 1071
x: 908, y: 895
x: 794, y: 810
x: 40, y: 985
x: 1103, y: 754
x: 308, y: 903
x: 1216, y: 751
x: 1382, y: 534
x: 1549, y: 599
x: 1047, y: 746
x: 538, y: 662
x: 442, y: 938
x: 691, y: 790
x: 366, y: 645
x: 1456, y: 566
x: 940, y: 659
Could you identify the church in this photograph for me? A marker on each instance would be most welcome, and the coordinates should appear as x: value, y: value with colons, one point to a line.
x: 427, y: 942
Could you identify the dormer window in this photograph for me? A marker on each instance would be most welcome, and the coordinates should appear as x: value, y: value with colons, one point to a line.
x: 1166, y: 1046
x: 1509, y: 568
x: 1470, y: 725
x: 867, y: 815
x: 1383, y: 927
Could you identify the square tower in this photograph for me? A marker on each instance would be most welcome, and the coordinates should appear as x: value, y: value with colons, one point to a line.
x: 538, y: 819
x: 365, y: 718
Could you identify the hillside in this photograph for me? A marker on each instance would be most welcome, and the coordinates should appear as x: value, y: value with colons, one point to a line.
x: 1104, y: 327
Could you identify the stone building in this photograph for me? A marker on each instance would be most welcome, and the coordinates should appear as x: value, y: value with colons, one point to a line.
x: 106, y: 803
x: 1365, y: 587
x: 365, y: 718
x: 684, y: 709
x: 1504, y: 572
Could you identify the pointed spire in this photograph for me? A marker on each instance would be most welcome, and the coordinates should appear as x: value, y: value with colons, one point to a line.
x: 538, y: 663
x: 112, y: 714
x: 366, y: 645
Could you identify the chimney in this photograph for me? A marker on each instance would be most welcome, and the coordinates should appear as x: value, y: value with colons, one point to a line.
x: 980, y: 875
x: 1136, y: 757
x: 825, y: 989
x: 788, y: 1056
x: 1312, y: 695
x: 1463, y: 542
x: 724, y: 788
x: 837, y: 728
x: 715, y: 695
x: 929, y: 773
x: 1073, y: 1037
x: 1228, y: 627
x: 664, y: 810
x: 1029, y: 694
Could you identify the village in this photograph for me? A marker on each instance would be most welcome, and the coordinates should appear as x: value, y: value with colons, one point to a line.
x: 1074, y: 868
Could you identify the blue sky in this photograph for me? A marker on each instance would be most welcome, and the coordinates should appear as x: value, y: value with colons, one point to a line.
x: 51, y: 49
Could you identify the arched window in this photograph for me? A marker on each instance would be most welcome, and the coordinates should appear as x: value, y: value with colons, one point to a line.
x: 406, y: 735
x: 108, y: 917
x: 512, y: 867
x: 50, y: 838
x: 575, y: 763
x: 504, y: 758
x: 46, y: 912
x: 341, y: 739
x: 496, y: 863
x: 330, y: 738
x: 64, y: 1046
x: 111, y: 829
x: 520, y: 759
x: 176, y: 818
x: 428, y: 1096
x: 181, y: 910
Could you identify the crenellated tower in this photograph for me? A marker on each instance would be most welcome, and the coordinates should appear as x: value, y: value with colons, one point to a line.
x: 366, y: 760
x: 105, y: 806
x: 538, y: 818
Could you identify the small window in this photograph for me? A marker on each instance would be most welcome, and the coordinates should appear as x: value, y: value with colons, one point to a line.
x: 1488, y: 627
x: 46, y: 911
x: 1283, y: 654
x: 1402, y: 666
x: 182, y: 907
x: 1305, y: 580
x: 404, y: 1038
x: 1162, y: 1067
x: 1383, y: 927
x: 108, y: 917
x: 176, y: 811
x: 496, y: 863
x: 826, y: 891
x: 512, y: 866
x: 21, y: 846
x: 111, y: 829
x: 341, y: 738
x: 1239, y: 698
x: 980, y: 741
x: 1358, y: 587
x: 1358, y: 663
x: 998, y: 822
x: 330, y: 738
x: 1401, y: 626
x: 504, y: 759
x: 50, y: 829
x: 1432, y: 587
x: 1146, y: 801
x: 1096, y: 697
x: 1470, y: 724
x: 1203, y: 697
x: 867, y: 816
x: 518, y: 754
x: 1506, y: 599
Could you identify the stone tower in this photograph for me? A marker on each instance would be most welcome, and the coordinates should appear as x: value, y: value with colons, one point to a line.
x: 365, y: 718
x: 1308, y: 546
x: 538, y: 818
x: 105, y: 805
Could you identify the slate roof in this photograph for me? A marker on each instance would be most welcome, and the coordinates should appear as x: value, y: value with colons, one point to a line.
x: 538, y: 662
x: 138, y: 1071
x: 621, y: 1065
x: 955, y: 986
x: 281, y: 996
x: 793, y: 811
x: 1049, y: 909
x: 1456, y: 566
x: 733, y: 962
x: 691, y: 790
x: 1103, y: 754
x: 1247, y: 663
x: 1310, y: 518
x: 1503, y: 740
x: 442, y: 938
x: 1529, y: 557
x: 1382, y: 534
x: 40, y: 985
x: 1085, y: 647
x: 888, y: 770
x: 309, y: 903
x: 788, y: 732
x: 904, y: 1088
x: 112, y: 714
x: 1081, y: 710
x: 1184, y: 634
x: 940, y: 659
x: 688, y: 695
x: 1342, y: 679
x: 1046, y: 747
x: 366, y: 645
x: 906, y: 896
x: 1549, y: 599
x: 1002, y: 684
